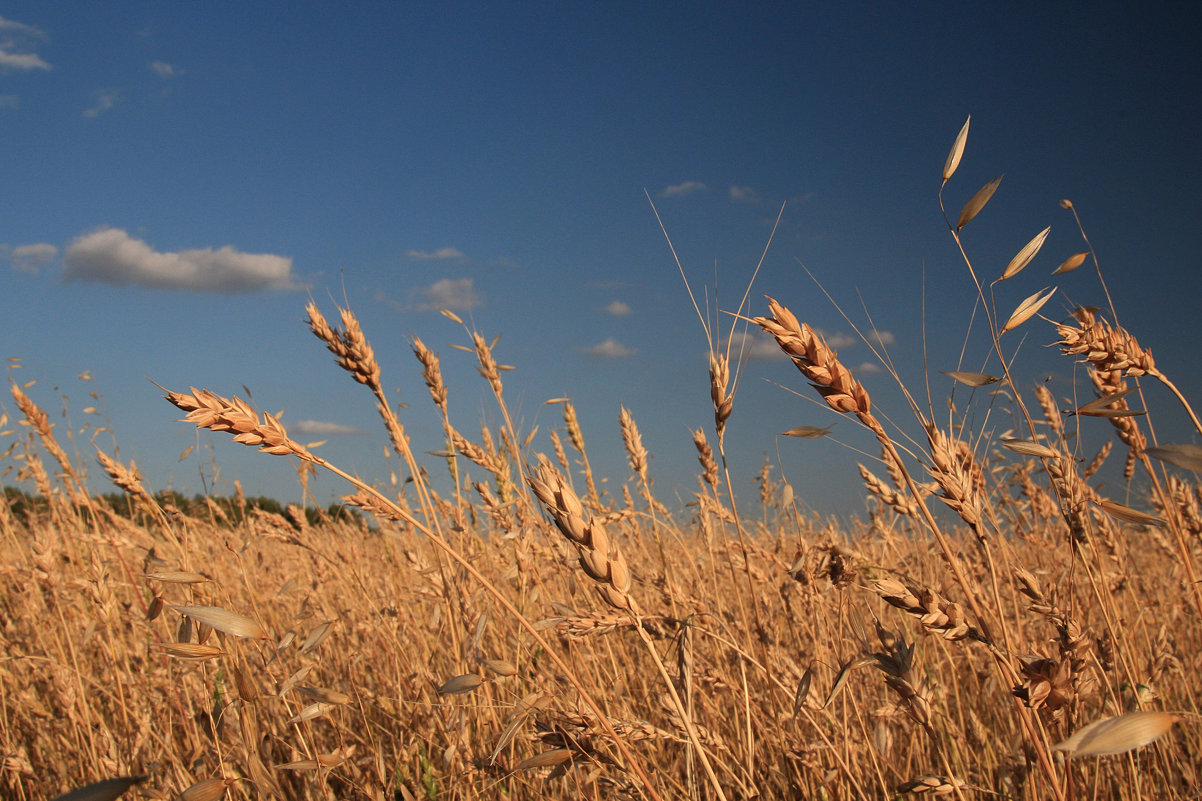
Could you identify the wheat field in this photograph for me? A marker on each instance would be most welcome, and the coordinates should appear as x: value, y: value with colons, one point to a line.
x: 501, y: 628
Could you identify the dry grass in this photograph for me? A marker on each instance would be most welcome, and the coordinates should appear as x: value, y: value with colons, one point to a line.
x: 513, y: 637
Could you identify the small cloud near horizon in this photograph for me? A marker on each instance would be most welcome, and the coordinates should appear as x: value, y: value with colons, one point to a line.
x: 610, y: 349
x: 618, y: 309
x: 435, y: 255
x: 456, y: 294
x: 682, y: 189
x: 165, y: 70
x: 323, y: 428
x: 29, y: 258
x: 883, y: 338
x: 755, y: 346
x: 102, y: 101
x: 841, y: 341
x: 112, y: 256
x: 16, y: 47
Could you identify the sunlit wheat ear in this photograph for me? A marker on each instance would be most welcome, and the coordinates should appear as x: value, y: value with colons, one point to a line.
x: 212, y: 411
x: 936, y: 615
x: 432, y: 373
x: 720, y: 394
x: 705, y: 455
x: 127, y: 478
x: 1117, y: 735
x: 819, y: 363
x: 935, y: 785
x: 1112, y: 349
x: 960, y: 479
x: 599, y: 556
x: 1105, y: 347
x: 633, y: 441
x: 349, y: 344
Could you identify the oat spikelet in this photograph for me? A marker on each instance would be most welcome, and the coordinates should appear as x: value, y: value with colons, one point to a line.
x: 1117, y: 735
x: 599, y: 556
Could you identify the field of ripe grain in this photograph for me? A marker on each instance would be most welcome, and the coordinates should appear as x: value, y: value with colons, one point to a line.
x: 996, y: 629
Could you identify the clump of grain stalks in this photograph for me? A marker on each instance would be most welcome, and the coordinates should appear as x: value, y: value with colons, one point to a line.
x: 1003, y: 625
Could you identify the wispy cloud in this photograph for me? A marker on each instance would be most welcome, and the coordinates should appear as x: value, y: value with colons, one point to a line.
x: 102, y: 101
x: 10, y: 101
x: 436, y: 255
x: 682, y: 189
x: 112, y: 256
x: 29, y: 258
x: 758, y: 347
x: 610, y: 349
x: 744, y: 193
x: 456, y: 294
x: 841, y: 341
x: 618, y: 309
x: 164, y: 70
x: 17, y: 43
x: 322, y: 428
x: 868, y: 367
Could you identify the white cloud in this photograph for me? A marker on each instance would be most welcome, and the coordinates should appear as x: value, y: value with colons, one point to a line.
x: 455, y: 294
x: 17, y: 41
x: 868, y: 367
x: 102, y: 101
x: 323, y: 428
x: 30, y: 258
x: 755, y: 346
x: 746, y: 193
x: 883, y: 338
x: 165, y: 70
x: 840, y: 340
x: 436, y: 255
x: 618, y: 309
x: 682, y: 189
x: 610, y: 349
x: 112, y: 256
x: 21, y: 61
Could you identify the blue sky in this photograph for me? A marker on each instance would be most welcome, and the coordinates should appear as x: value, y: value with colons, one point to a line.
x: 178, y: 176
